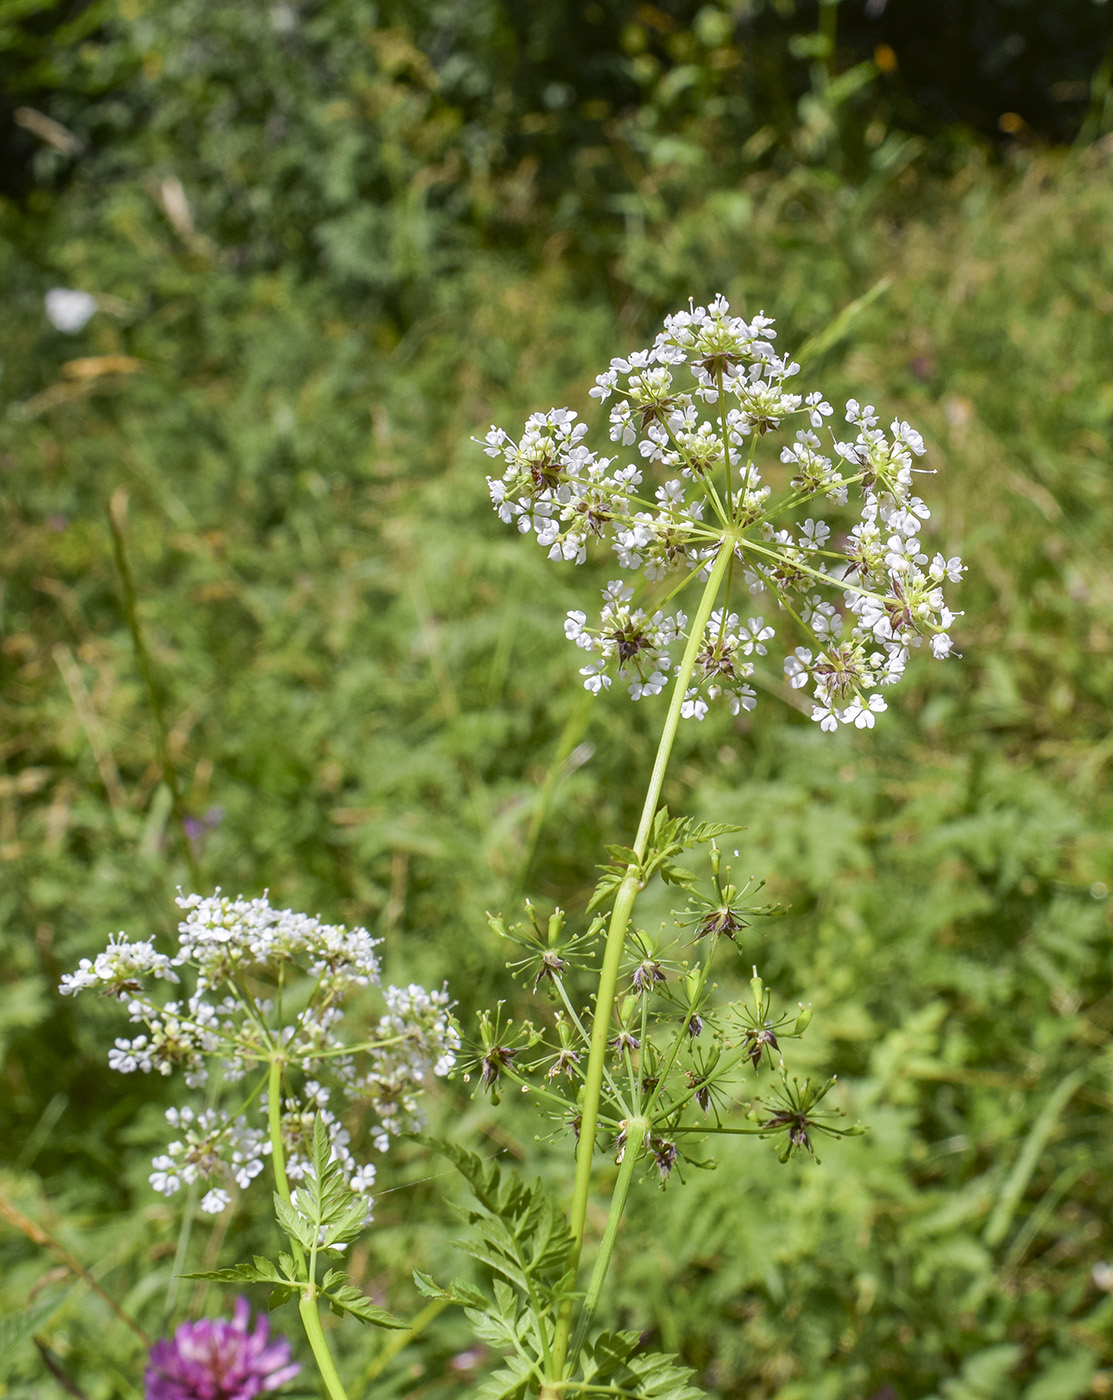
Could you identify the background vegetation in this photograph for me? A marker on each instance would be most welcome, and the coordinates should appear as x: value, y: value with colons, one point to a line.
x: 330, y: 243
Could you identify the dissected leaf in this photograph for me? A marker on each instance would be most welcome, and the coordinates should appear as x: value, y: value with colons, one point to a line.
x: 239, y: 1273
x: 669, y: 837
x: 294, y: 1223
x: 345, y: 1297
x: 426, y: 1286
x: 508, y: 1381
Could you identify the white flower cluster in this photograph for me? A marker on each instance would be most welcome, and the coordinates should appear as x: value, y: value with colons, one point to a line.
x: 637, y: 645
x: 864, y: 597
x: 235, y: 948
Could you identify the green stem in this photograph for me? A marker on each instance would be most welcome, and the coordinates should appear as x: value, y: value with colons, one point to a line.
x: 616, y: 940
x: 637, y: 1130
x: 311, y: 1321
x: 307, y: 1303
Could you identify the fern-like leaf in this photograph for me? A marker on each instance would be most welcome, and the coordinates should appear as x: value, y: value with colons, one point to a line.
x: 507, y: 1383
x: 669, y: 836
x: 344, y: 1297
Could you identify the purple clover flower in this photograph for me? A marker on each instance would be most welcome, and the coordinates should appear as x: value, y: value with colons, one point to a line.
x: 218, y: 1360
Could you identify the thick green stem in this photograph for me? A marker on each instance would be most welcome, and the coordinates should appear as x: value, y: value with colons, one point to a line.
x: 311, y: 1321
x: 307, y: 1303
x: 616, y: 941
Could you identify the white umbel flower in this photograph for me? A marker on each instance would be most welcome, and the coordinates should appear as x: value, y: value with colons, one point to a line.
x: 706, y: 409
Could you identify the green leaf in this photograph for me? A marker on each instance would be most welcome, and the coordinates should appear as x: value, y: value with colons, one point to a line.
x: 426, y: 1286
x: 496, y: 1259
x: 668, y: 837
x: 345, y: 1297
x: 661, y: 1377
x: 1066, y: 1378
x: 607, y: 886
x: 467, y: 1295
x: 611, y: 1360
x: 495, y: 1331
x: 518, y: 1230
x: 262, y: 1271
x: 293, y: 1223
x: 509, y: 1380
x: 603, y: 1356
x: 323, y: 1210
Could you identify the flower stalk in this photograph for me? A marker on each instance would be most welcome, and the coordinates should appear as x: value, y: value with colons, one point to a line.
x: 702, y: 493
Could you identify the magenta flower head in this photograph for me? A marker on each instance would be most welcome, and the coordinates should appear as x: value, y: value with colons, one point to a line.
x: 217, y: 1360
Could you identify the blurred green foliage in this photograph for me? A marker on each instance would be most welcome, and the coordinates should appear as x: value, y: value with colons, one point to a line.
x: 330, y: 245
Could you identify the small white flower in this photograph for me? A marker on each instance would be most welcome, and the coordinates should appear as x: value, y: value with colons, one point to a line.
x: 815, y: 534
x: 595, y: 679
x: 796, y: 667
x: 574, y: 625
x: 754, y: 634
x: 214, y: 1201
x: 826, y: 717
x: 604, y: 385
x: 693, y: 706
x: 363, y: 1178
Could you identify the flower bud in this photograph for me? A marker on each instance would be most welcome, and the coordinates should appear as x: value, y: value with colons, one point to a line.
x: 803, y: 1021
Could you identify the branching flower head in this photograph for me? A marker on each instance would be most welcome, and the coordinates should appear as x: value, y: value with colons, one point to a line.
x: 267, y: 987
x: 792, y: 1116
x: 716, y: 451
